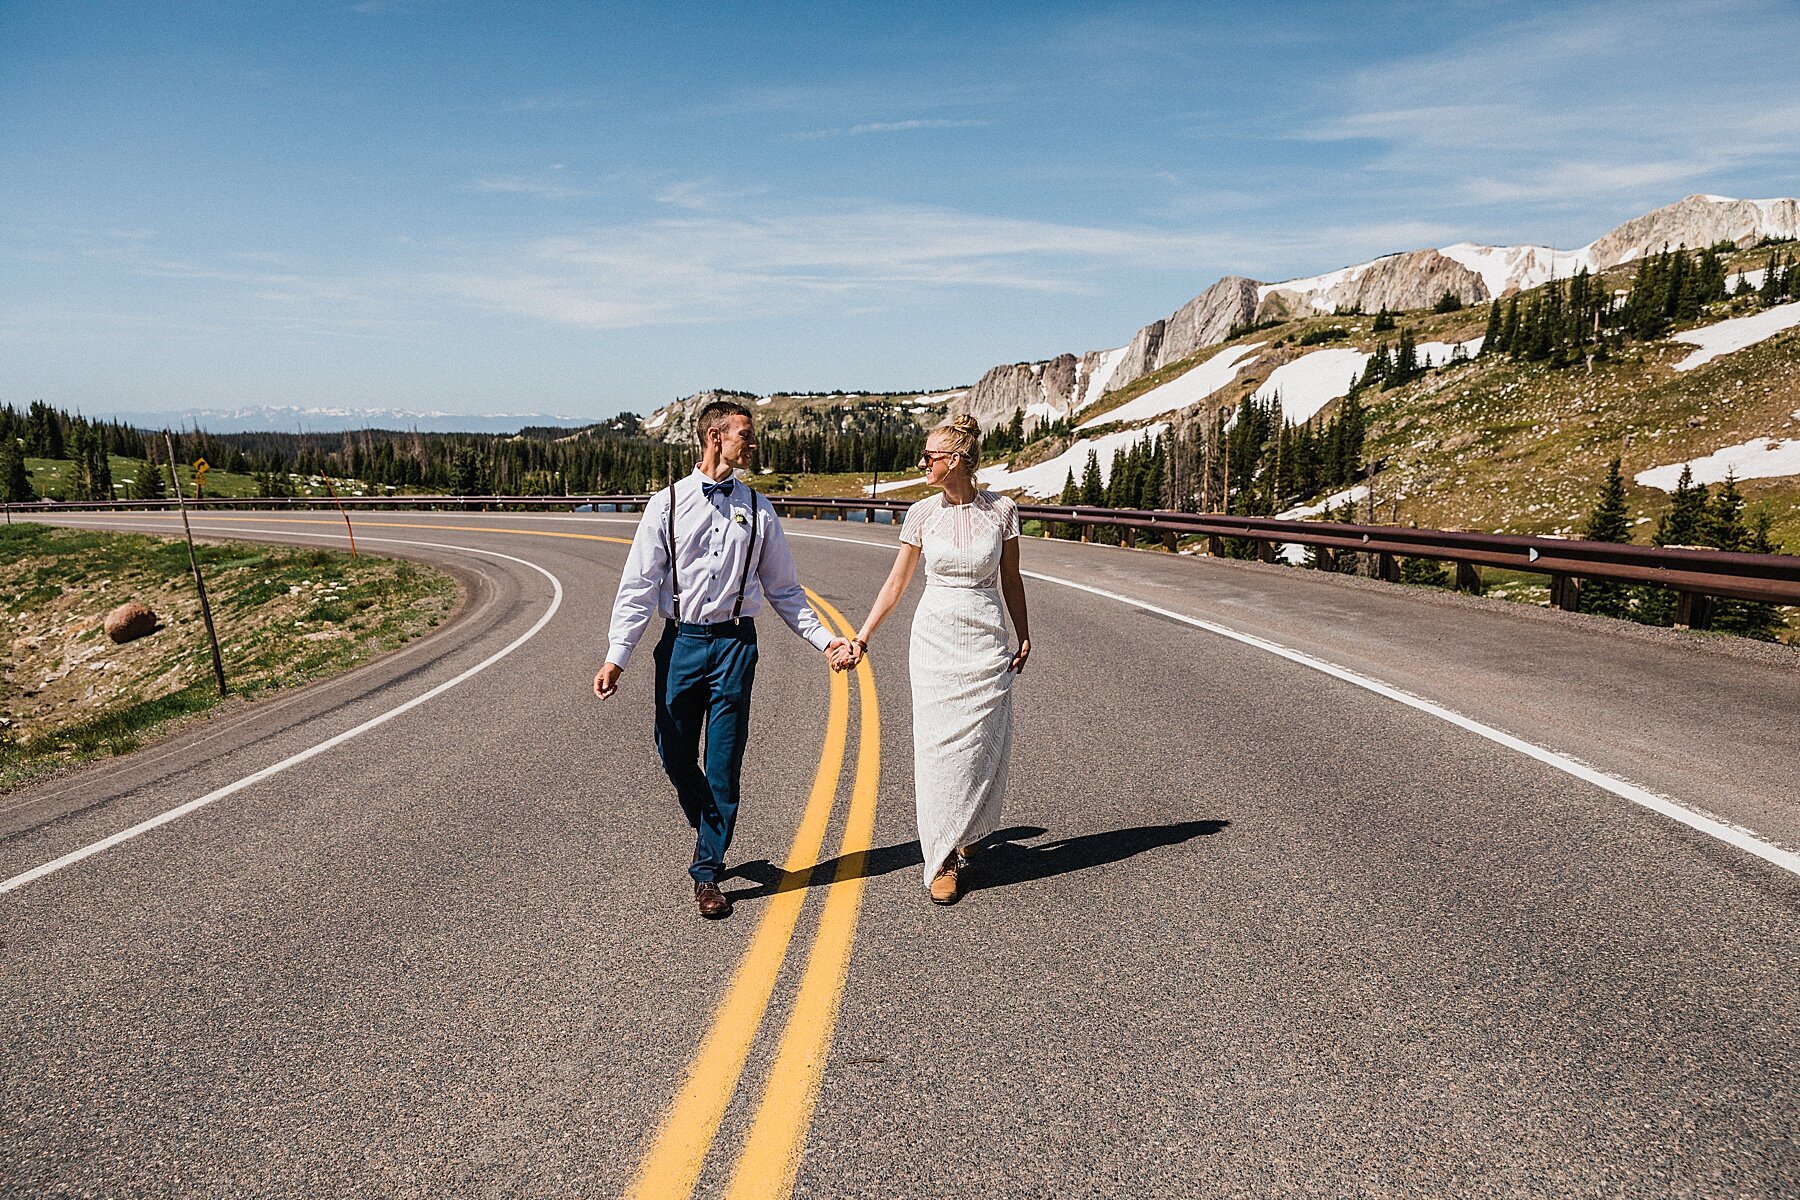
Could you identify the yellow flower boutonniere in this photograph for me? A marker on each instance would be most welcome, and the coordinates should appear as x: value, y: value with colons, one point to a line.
x: 739, y: 518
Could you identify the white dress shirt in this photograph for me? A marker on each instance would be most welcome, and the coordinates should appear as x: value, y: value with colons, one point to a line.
x: 712, y: 535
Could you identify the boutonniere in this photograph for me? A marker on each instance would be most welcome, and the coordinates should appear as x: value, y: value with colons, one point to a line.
x: 740, y: 518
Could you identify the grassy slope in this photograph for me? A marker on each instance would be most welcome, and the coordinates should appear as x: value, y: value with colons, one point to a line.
x: 53, y: 478
x: 285, y: 617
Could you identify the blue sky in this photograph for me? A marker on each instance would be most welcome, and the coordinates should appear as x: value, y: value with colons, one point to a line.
x: 588, y: 208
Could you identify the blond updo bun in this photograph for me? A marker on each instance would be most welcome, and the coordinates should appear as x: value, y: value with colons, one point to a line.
x: 961, y: 434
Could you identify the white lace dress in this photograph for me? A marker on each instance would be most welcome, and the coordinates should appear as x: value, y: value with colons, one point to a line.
x: 961, y: 689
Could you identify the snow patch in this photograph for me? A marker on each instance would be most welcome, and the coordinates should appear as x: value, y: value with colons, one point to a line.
x: 1190, y: 387
x: 1523, y: 267
x: 1736, y: 334
x: 656, y: 421
x: 1753, y: 278
x: 1758, y: 458
x: 1047, y: 478
x: 764, y: 401
x: 1311, y: 382
x: 892, y: 485
x: 1437, y: 354
x: 1357, y: 494
x: 1104, y: 370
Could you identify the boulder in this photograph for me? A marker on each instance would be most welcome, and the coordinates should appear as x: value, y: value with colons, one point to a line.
x: 129, y: 622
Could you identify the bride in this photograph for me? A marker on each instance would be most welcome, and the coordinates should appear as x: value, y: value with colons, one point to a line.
x: 962, y: 664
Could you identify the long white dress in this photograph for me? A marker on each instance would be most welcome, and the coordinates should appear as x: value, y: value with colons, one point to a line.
x: 961, y: 688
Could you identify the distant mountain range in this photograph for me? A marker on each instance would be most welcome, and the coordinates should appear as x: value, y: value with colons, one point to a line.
x: 291, y: 419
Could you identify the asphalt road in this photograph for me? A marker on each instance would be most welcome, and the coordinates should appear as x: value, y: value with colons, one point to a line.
x: 1251, y: 928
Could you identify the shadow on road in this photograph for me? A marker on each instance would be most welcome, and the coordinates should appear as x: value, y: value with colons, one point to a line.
x: 1001, y: 859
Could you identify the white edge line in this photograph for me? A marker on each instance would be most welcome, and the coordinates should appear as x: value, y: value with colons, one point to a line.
x: 107, y: 843
x: 1735, y: 835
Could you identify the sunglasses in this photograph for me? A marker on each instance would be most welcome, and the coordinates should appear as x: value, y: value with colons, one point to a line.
x: 931, y: 456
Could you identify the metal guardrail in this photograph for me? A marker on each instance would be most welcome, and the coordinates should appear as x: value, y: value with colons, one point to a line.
x: 1693, y: 574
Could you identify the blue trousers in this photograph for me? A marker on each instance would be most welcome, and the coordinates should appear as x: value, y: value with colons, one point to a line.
x: 703, y: 678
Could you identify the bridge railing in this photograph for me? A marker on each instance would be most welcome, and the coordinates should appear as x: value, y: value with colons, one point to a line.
x: 1694, y: 574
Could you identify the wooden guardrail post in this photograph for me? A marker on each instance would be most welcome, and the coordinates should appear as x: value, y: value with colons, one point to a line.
x: 1387, y: 567
x: 1130, y: 538
x: 1468, y: 578
x: 1215, y: 545
x: 1085, y: 530
x: 1169, y: 542
x: 1565, y: 592
x: 1691, y: 610
x: 1265, y: 551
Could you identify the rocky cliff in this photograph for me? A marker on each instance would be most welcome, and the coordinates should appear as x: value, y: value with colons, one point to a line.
x: 1415, y: 279
x: 1698, y: 221
x: 1410, y: 280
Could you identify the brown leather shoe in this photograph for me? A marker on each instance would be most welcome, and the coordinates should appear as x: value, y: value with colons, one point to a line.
x: 713, y: 903
x: 945, y: 887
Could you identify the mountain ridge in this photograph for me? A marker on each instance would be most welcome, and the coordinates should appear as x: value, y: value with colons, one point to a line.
x: 1474, y: 273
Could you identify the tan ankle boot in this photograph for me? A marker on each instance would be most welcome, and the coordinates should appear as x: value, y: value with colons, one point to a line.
x: 944, y: 886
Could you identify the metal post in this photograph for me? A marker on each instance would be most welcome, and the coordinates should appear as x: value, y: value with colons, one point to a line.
x: 199, y: 583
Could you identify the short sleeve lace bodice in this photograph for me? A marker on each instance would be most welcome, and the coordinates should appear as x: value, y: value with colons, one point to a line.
x: 961, y: 543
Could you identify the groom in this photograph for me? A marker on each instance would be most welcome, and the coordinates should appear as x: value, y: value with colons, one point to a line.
x: 708, y: 551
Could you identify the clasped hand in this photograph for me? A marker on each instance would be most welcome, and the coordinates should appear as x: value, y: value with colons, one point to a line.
x: 843, y: 655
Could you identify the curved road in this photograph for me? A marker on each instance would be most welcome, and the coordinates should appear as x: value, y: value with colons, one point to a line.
x: 1307, y: 887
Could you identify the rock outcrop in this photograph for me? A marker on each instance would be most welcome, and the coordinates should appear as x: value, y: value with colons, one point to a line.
x: 675, y: 423
x: 1695, y: 222
x: 1035, y: 387
x: 1206, y: 320
x: 130, y: 621
x: 1415, y: 279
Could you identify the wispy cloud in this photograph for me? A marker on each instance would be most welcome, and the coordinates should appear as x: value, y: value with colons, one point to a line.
x: 702, y: 195
x: 550, y: 103
x: 714, y: 268
x: 526, y: 185
x: 813, y: 135
x: 1564, y: 108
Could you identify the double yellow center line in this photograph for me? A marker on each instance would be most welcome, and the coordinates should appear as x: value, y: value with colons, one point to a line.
x: 770, y: 1157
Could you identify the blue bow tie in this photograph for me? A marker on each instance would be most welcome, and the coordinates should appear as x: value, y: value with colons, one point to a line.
x: 722, y: 488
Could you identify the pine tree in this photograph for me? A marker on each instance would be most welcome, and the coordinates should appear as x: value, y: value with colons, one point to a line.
x: 1490, y: 338
x: 1609, y: 522
x: 1424, y: 572
x: 1680, y: 526
x: 1722, y: 526
x: 1093, y: 488
x: 14, y: 478
x: 1751, y: 618
x: 149, y: 483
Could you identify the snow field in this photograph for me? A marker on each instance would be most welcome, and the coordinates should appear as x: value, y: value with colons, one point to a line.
x: 1104, y: 370
x: 1047, y: 478
x: 1758, y: 458
x: 1357, y: 494
x: 1736, y: 334
x: 1188, y: 388
x: 1311, y: 382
